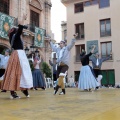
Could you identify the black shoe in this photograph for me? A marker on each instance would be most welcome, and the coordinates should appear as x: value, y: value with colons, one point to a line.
x: 43, y: 88
x: 25, y: 92
x: 4, y: 91
x: 56, y: 89
x: 96, y: 88
x: 90, y: 90
x: 62, y: 92
x: 35, y: 89
x: 14, y: 96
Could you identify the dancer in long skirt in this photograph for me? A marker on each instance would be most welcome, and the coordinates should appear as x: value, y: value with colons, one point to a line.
x: 87, y: 80
x: 18, y: 74
x: 38, y: 78
x: 3, y: 66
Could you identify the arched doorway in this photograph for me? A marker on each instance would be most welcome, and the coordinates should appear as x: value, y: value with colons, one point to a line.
x: 2, y: 48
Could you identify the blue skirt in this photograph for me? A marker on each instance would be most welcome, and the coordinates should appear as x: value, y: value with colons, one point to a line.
x: 86, y: 79
x: 38, y: 79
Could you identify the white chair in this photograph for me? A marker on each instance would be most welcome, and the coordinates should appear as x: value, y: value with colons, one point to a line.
x: 71, y: 82
x: 48, y: 82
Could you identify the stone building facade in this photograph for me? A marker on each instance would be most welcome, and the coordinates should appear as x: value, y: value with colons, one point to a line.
x: 96, y: 22
x: 38, y: 15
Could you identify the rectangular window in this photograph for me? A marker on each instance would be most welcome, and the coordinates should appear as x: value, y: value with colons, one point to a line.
x: 78, y: 51
x: 105, y: 27
x: 34, y: 18
x: 104, y: 3
x: 4, y: 6
x: 79, y: 28
x: 106, y: 48
x: 78, y: 7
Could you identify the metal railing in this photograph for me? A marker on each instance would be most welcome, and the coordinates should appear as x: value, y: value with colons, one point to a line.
x: 31, y: 27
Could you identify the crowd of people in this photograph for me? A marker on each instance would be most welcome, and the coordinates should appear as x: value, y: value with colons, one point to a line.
x: 15, y: 72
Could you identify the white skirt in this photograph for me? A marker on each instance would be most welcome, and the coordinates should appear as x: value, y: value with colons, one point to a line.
x: 87, y: 79
x: 26, y: 80
x: 1, y: 78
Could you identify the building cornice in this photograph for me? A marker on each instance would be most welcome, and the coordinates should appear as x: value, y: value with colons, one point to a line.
x: 37, y: 4
x: 70, y: 1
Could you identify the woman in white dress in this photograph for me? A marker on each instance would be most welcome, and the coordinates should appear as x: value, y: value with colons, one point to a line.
x: 87, y: 80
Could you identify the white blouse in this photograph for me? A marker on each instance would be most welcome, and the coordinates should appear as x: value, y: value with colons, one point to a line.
x: 4, y: 61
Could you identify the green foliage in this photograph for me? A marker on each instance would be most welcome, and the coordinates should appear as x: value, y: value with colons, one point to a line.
x: 3, y: 52
x: 46, y: 70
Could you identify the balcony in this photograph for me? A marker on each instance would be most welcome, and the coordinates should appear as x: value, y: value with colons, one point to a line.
x: 69, y: 1
x: 64, y: 1
x: 31, y: 28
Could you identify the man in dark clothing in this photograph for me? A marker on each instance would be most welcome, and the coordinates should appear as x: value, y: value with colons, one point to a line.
x: 97, y: 63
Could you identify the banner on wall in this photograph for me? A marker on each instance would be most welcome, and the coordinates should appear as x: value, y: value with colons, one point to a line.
x: 90, y: 44
x: 6, y: 22
x: 39, y: 37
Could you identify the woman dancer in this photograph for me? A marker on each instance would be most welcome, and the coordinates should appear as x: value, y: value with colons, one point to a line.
x: 38, y: 79
x: 87, y: 80
x: 4, y: 62
x: 18, y: 75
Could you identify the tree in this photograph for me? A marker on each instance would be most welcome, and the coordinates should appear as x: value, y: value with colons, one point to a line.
x: 46, y: 70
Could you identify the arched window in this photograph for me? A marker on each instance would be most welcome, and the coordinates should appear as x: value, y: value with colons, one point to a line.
x: 4, y: 6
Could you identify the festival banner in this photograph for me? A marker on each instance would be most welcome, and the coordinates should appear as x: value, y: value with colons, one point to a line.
x: 39, y: 37
x: 6, y: 22
x: 90, y: 45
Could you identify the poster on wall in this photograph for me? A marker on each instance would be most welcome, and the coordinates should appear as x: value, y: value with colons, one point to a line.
x: 6, y: 22
x: 39, y: 37
x: 90, y: 45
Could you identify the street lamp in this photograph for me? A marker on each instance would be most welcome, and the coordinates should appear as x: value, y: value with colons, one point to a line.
x: 26, y: 50
x: 36, y: 52
x: 32, y: 48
